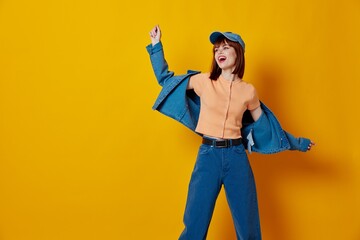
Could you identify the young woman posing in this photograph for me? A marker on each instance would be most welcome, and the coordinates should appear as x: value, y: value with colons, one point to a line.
x: 219, y: 111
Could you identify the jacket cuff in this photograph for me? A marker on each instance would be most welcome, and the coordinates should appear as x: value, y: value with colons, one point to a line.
x: 153, y: 49
x: 304, y: 144
x: 300, y: 144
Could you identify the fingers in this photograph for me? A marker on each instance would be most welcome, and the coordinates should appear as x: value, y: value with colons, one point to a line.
x: 310, y: 145
x: 157, y: 29
x: 155, y: 35
x: 155, y: 32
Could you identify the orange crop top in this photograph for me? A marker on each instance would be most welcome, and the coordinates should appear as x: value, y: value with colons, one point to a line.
x: 223, y: 104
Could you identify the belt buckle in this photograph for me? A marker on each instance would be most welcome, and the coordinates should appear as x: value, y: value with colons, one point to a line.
x: 222, y: 146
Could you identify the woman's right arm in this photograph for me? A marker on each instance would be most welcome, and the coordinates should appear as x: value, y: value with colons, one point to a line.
x: 158, y: 62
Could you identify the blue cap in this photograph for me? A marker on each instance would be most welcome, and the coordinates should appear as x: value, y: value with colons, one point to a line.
x: 228, y: 35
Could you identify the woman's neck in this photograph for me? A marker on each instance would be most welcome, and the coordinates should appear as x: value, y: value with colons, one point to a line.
x: 228, y: 75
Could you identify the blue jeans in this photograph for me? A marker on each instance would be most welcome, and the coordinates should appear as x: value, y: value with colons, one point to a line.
x: 215, y: 167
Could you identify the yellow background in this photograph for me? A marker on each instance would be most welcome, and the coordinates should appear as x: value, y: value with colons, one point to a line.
x: 83, y: 156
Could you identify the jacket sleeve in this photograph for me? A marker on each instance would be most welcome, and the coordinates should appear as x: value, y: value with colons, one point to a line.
x: 267, y: 136
x: 159, y: 64
x: 300, y: 143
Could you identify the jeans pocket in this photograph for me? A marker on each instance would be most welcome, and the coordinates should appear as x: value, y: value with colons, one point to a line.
x: 240, y: 149
x: 204, y: 149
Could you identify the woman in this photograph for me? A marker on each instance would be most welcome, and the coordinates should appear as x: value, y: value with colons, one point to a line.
x: 219, y: 118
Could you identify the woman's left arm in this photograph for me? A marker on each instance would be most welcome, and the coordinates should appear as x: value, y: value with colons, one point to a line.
x: 254, y: 105
x: 301, y: 144
x: 256, y: 113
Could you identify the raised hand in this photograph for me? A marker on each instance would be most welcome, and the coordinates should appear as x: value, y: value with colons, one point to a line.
x: 155, y: 35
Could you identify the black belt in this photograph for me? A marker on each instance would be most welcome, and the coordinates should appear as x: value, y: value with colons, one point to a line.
x: 222, y: 143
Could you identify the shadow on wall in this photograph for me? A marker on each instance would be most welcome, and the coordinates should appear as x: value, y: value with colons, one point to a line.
x: 272, y: 171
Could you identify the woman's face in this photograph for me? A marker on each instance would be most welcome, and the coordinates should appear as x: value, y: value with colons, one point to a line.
x: 225, y: 56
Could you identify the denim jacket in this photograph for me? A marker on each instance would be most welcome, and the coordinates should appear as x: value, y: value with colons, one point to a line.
x: 263, y: 136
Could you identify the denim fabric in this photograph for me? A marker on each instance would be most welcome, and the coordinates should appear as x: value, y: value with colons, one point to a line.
x: 264, y: 136
x: 214, y: 168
